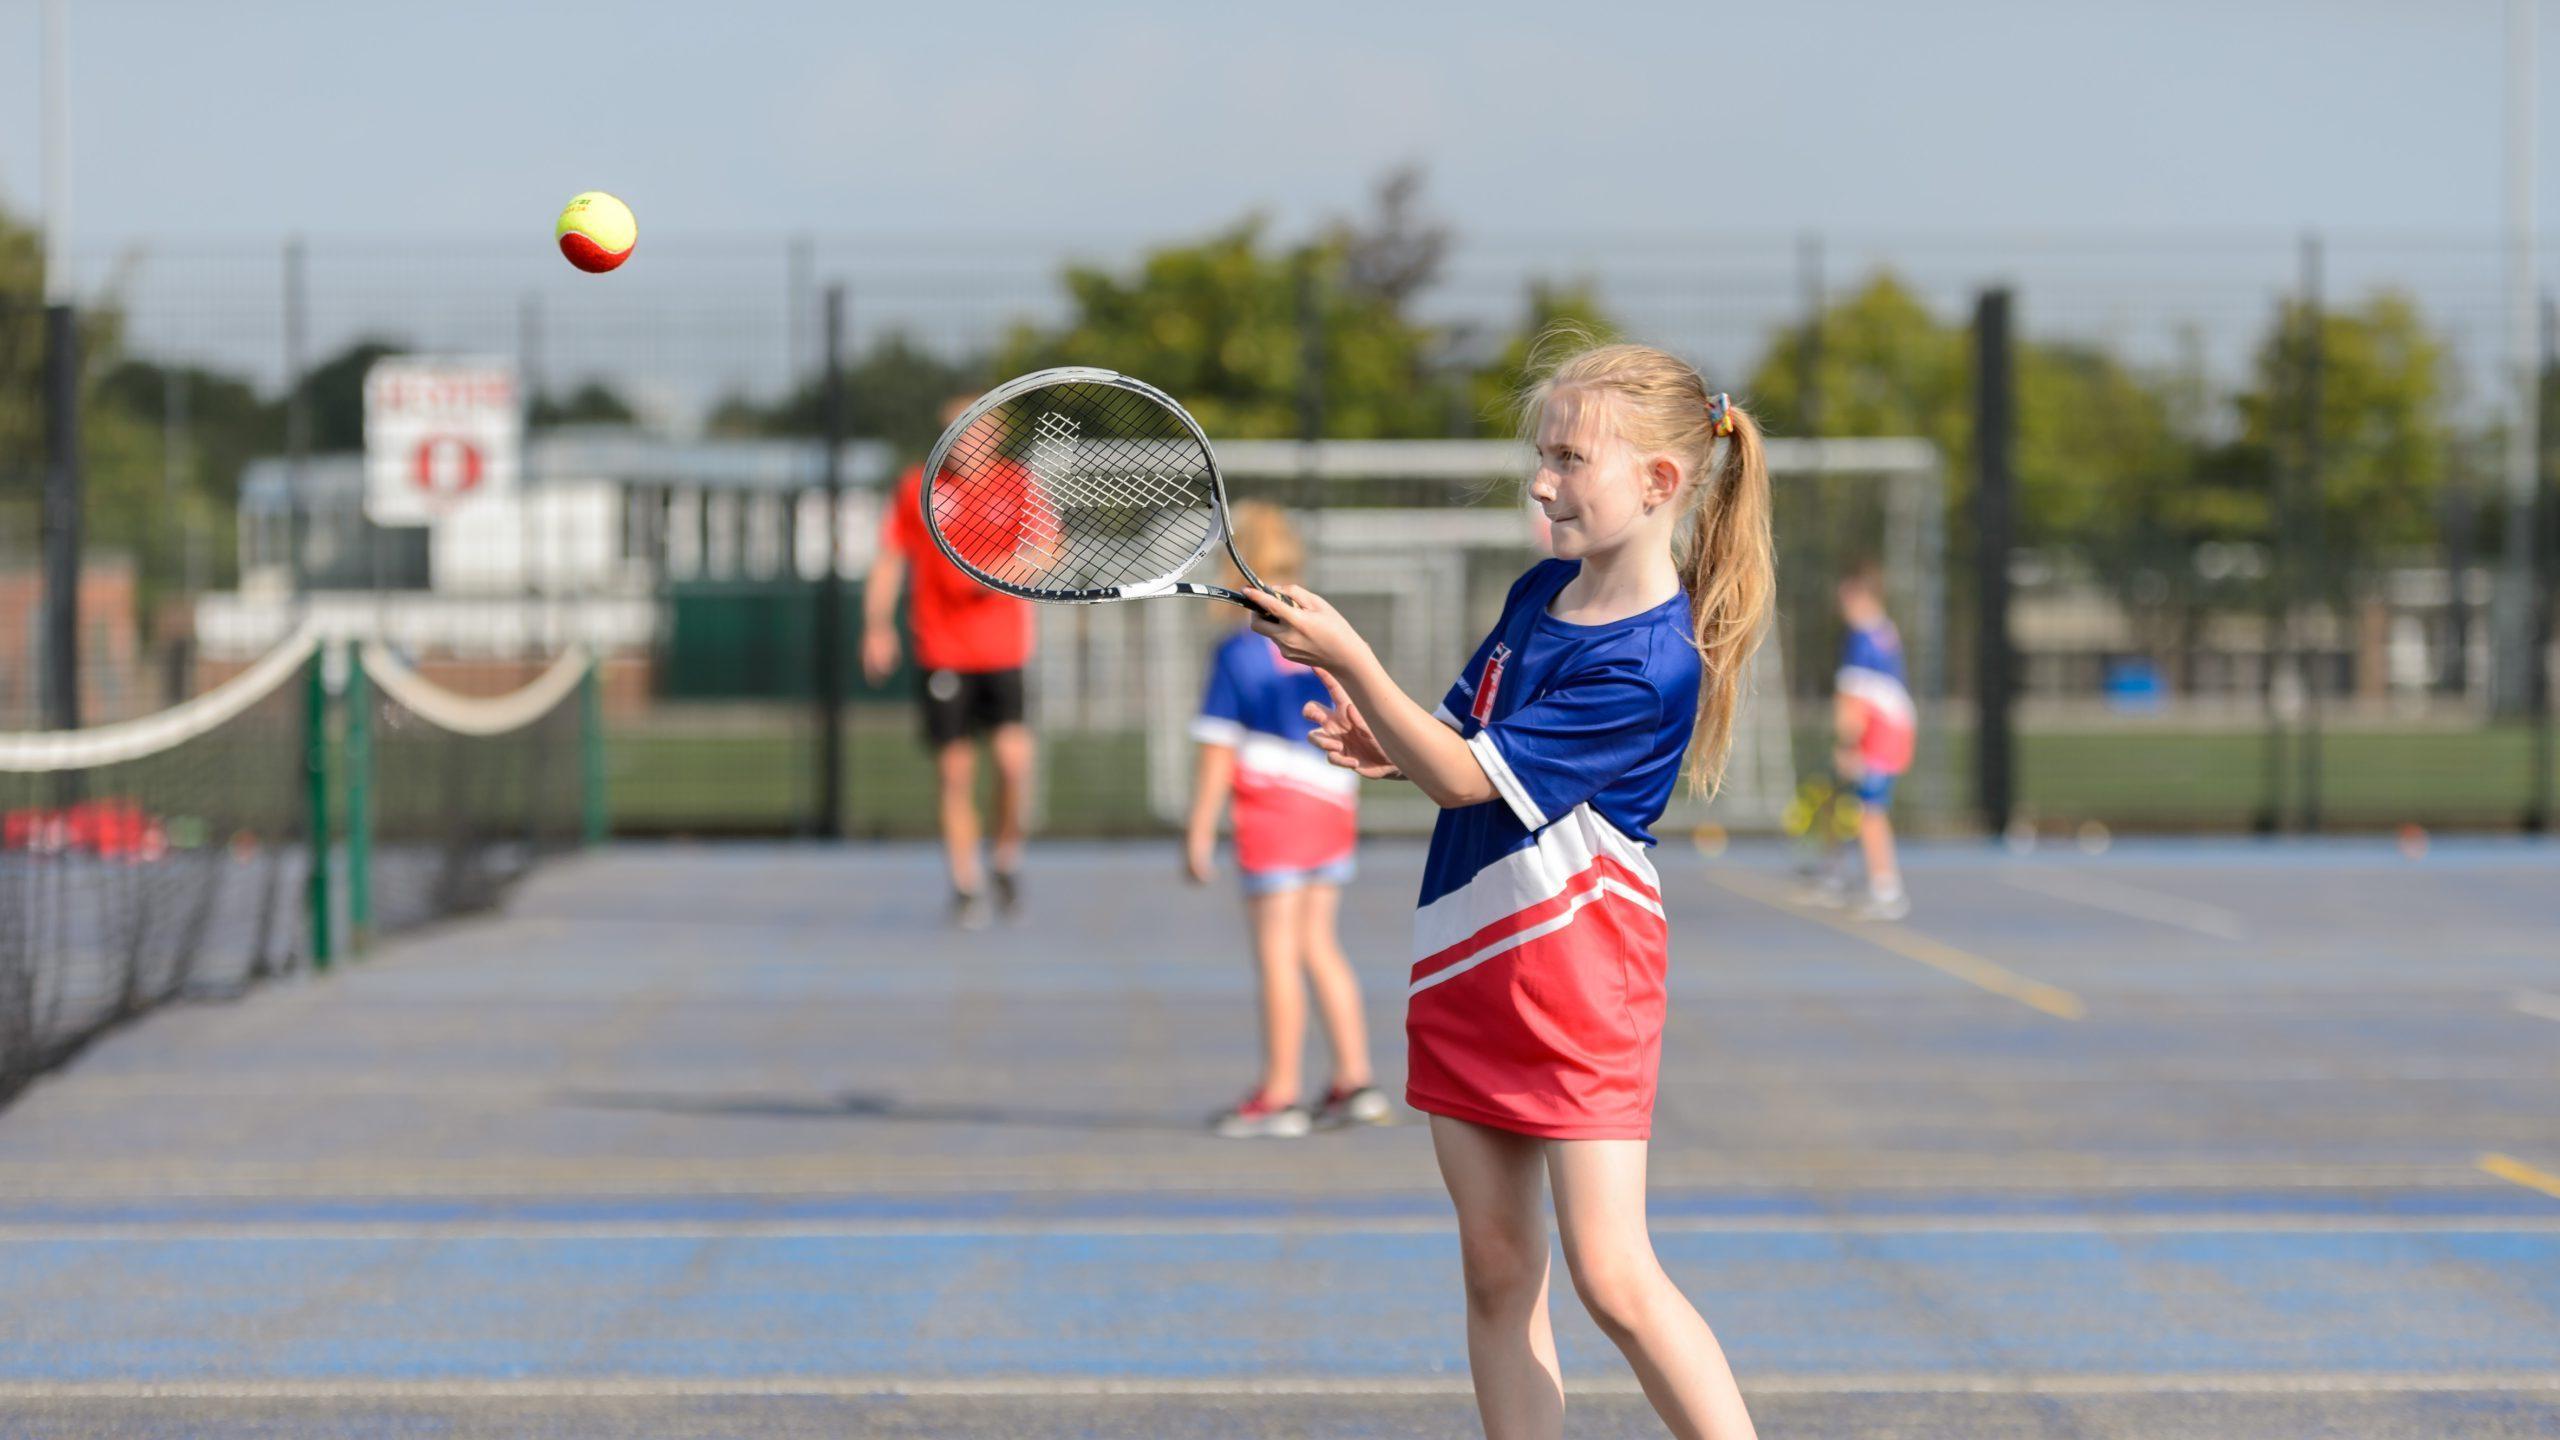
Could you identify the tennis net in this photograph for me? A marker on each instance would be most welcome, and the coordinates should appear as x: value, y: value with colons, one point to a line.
x: 149, y: 859
x: 452, y: 798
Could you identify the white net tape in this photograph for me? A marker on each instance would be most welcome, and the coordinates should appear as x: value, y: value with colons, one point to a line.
x: 40, y: 751
x: 472, y: 714
x: 47, y: 750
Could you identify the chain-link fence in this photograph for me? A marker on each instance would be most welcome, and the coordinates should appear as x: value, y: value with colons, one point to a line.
x: 2260, y: 569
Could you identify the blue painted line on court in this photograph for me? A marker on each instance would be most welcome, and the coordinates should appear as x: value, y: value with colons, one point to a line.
x: 1224, y: 1306
x: 2386, y: 1207
x: 2315, y: 852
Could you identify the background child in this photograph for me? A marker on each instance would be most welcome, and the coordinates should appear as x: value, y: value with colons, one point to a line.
x: 1296, y: 824
x: 1875, y: 724
x: 1534, y: 1018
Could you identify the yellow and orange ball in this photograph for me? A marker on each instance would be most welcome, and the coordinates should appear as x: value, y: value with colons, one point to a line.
x: 597, y: 232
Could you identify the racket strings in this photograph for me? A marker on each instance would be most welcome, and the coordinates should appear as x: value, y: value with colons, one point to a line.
x: 1075, y: 487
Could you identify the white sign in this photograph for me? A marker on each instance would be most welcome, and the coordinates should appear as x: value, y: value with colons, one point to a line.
x: 437, y: 435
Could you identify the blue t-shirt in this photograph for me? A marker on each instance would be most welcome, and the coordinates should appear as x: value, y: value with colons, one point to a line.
x: 1294, y: 810
x: 1871, y: 677
x: 1876, y: 650
x: 1254, y: 688
x: 1563, y: 716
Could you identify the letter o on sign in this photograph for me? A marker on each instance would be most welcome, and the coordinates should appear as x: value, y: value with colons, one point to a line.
x: 446, y: 467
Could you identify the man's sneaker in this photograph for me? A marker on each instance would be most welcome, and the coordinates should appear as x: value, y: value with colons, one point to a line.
x: 1367, y: 1105
x: 1255, y: 1118
x: 968, y: 910
x: 1008, y: 894
x: 1890, y: 905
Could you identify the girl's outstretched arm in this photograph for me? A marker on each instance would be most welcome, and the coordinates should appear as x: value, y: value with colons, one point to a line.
x: 1429, y: 753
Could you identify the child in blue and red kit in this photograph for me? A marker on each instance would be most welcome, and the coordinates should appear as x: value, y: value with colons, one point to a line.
x: 1876, y: 725
x: 1534, y: 1018
x: 1296, y: 821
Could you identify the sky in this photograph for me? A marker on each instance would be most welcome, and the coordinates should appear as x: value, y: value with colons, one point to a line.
x: 946, y: 158
x: 254, y: 118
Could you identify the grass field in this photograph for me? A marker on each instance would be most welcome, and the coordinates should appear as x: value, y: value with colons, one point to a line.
x: 756, y: 776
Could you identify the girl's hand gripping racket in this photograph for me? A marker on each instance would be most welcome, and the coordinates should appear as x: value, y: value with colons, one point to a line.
x: 1077, y: 486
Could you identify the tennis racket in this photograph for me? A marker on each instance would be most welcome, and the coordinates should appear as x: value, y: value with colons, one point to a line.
x: 1076, y: 486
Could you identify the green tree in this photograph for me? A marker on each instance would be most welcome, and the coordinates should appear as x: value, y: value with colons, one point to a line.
x: 593, y: 403
x: 2386, y: 443
x: 2106, y: 454
x: 2096, y: 438
x: 1877, y: 362
x: 1494, y: 389
x: 334, y: 390
x: 125, y: 501
x: 1224, y: 323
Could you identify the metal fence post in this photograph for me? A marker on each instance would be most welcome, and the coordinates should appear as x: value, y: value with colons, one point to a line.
x: 1995, y: 685
x: 61, y: 520
x: 828, y: 631
x: 2544, y: 574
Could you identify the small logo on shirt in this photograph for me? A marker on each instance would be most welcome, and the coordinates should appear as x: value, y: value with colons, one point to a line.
x: 1491, y: 682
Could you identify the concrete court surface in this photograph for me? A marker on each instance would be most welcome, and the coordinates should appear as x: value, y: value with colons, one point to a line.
x: 2191, y: 1139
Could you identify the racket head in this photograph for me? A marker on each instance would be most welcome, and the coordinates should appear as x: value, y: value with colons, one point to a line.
x: 1075, y: 485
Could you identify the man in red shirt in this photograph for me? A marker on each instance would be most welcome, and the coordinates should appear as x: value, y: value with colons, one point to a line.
x: 972, y: 644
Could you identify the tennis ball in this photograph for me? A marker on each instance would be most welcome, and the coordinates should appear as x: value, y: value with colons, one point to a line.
x: 597, y: 232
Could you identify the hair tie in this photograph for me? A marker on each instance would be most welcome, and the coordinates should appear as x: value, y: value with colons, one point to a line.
x: 1720, y: 413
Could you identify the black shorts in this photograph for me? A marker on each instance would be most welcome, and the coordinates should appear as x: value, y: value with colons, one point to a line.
x: 964, y: 704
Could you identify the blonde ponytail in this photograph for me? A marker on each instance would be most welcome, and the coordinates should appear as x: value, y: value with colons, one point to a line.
x: 1730, y: 570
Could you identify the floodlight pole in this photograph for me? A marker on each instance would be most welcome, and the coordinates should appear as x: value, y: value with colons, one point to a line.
x: 297, y: 419
x: 2311, y: 516
x: 57, y: 153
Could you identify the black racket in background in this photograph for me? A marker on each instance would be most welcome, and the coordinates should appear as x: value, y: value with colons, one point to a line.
x: 1077, y: 486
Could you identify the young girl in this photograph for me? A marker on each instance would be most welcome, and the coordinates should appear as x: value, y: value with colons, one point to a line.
x: 1874, y: 722
x: 1296, y: 822
x: 1535, y: 1013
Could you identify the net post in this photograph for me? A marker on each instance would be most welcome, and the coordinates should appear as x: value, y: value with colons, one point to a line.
x: 828, y: 631
x: 359, y: 760
x: 315, y: 764
x: 594, y: 818
x: 1995, y: 416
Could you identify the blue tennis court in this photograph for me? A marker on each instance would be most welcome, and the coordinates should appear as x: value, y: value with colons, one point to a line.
x: 2188, y: 1138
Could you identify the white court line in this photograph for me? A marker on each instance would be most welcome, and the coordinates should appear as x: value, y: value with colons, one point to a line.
x: 537, y: 1231
x: 2537, y: 1004
x: 2132, y: 900
x: 630, y: 1387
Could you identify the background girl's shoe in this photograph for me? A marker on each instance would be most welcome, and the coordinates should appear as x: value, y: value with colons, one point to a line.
x: 1255, y: 1118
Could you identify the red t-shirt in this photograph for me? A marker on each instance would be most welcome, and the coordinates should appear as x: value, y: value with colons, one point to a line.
x: 960, y: 624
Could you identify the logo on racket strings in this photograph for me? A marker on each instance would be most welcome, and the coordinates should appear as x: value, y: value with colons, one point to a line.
x: 1055, y: 458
